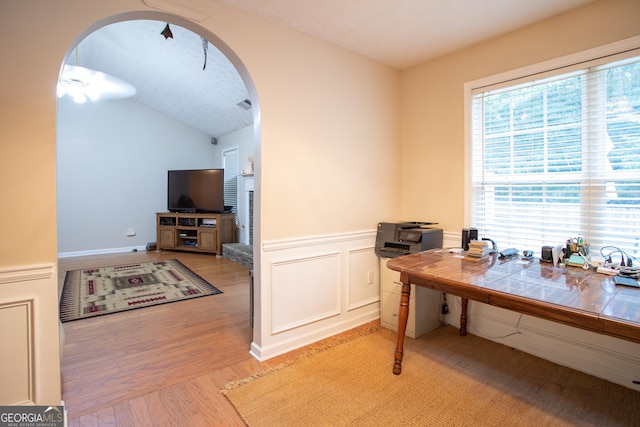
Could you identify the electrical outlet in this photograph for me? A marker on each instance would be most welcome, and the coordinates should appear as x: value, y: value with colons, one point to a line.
x: 131, y: 232
x: 370, y: 278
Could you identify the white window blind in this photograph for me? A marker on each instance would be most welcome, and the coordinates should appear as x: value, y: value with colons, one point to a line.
x: 559, y: 157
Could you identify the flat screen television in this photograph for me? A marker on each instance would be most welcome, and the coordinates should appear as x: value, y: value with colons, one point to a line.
x: 196, y: 191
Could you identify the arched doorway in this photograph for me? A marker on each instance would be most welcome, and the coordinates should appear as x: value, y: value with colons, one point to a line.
x: 190, y: 80
x: 177, y: 22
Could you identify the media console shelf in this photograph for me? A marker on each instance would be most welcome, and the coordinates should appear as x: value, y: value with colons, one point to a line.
x: 194, y: 232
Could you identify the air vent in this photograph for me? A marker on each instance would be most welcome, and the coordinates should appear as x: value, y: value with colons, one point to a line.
x: 246, y: 104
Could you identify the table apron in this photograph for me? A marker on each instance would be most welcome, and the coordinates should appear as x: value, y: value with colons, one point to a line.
x: 454, y: 288
x: 582, y: 320
x: 579, y: 319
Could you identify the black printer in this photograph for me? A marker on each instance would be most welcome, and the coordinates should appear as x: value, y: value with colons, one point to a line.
x: 401, y: 238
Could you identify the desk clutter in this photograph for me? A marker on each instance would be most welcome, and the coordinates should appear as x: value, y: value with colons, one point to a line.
x: 612, y: 261
x: 479, y: 248
x: 575, y: 252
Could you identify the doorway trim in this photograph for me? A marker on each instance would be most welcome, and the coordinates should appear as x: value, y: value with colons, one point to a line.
x: 253, y: 97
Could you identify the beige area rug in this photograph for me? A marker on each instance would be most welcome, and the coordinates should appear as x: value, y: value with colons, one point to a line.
x: 447, y: 380
x: 103, y: 290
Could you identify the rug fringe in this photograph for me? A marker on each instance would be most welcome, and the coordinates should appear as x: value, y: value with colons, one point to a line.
x: 327, y: 344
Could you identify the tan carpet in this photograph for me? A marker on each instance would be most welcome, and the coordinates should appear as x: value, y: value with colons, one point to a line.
x: 447, y: 380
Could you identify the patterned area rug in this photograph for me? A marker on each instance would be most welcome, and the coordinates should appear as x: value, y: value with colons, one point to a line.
x: 105, y: 290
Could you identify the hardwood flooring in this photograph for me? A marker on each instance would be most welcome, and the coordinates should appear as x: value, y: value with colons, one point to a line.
x: 160, y: 365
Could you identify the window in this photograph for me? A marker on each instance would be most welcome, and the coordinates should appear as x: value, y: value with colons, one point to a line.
x: 558, y: 156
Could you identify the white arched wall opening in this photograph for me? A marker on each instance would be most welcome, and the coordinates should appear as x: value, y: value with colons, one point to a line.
x: 255, y: 108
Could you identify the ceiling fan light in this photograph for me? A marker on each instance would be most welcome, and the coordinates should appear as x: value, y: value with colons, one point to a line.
x: 83, y: 83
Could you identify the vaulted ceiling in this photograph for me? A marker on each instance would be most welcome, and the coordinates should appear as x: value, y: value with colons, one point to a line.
x: 174, y: 75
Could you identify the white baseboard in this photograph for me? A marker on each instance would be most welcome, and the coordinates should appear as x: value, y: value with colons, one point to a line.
x: 101, y: 251
x: 277, y: 348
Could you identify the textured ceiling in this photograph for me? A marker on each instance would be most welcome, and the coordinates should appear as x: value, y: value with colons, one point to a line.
x: 169, y: 76
x: 168, y: 73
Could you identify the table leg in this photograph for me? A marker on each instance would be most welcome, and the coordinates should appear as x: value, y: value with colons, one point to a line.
x: 403, y: 314
x: 463, y: 317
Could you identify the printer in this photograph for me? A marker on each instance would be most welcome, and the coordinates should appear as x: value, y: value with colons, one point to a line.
x: 394, y: 239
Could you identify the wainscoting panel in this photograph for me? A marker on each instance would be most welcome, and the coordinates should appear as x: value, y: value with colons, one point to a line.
x: 304, y: 297
x: 314, y: 287
x: 605, y: 357
x: 17, y: 368
x: 29, y: 336
x: 363, y: 284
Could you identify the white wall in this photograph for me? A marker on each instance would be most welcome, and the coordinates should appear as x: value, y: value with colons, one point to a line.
x: 112, y: 162
x: 243, y: 140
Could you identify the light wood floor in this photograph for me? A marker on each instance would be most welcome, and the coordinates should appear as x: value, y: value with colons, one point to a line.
x: 161, y: 365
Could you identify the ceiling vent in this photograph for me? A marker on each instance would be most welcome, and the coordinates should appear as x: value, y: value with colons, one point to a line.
x: 246, y: 104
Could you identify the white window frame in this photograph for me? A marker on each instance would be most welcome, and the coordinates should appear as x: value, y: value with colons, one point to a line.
x: 511, y: 77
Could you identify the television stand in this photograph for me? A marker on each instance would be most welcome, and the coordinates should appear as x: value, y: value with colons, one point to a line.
x: 194, y: 232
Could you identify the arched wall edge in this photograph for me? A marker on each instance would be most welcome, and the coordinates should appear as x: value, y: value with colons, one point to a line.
x: 255, y: 109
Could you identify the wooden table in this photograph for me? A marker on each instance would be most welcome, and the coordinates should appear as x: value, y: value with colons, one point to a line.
x: 573, y: 296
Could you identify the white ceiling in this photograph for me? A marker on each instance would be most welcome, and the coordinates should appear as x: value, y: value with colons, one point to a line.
x: 169, y: 77
x: 168, y: 73
x: 404, y: 33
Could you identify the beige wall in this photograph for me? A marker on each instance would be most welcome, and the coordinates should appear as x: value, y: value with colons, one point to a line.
x: 330, y: 120
x: 432, y: 108
x: 330, y: 123
x: 326, y: 162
